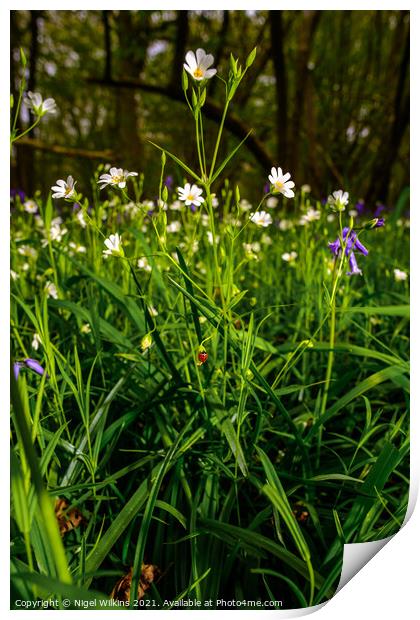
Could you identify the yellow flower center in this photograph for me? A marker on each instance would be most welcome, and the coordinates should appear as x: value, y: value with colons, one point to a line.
x: 190, y: 197
x: 278, y: 185
x: 198, y: 73
x: 118, y: 178
x: 68, y: 190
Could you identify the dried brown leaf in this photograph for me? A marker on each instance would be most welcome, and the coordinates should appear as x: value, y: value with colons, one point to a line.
x: 121, y: 591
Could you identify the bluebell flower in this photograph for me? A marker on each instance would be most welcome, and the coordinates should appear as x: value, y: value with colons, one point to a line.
x: 169, y: 181
x: 17, y: 193
x: 29, y: 363
x: 352, y: 244
x: 379, y: 208
x: 360, y: 206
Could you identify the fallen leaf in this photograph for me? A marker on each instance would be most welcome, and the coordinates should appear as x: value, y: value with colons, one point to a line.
x: 68, y: 519
x: 121, y: 591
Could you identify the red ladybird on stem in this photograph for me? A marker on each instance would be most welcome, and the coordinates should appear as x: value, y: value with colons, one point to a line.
x: 202, y: 357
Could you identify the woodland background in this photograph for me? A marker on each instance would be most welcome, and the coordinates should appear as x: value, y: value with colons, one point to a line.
x: 327, y: 97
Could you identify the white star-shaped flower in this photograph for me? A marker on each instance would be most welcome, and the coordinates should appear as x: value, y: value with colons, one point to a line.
x: 116, y: 176
x: 113, y: 246
x: 261, y: 218
x: 338, y: 200
x: 198, y: 65
x: 191, y: 195
x: 281, y: 182
x: 64, y: 189
x: 38, y: 106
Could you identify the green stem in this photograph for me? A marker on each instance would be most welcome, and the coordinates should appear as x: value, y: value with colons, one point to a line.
x: 12, y: 140
x: 219, y: 136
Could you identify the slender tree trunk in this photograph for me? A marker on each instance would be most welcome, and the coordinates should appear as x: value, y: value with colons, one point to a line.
x: 277, y: 49
x: 182, y: 30
x: 381, y: 173
x: 306, y: 36
x: 27, y: 161
x: 131, y: 28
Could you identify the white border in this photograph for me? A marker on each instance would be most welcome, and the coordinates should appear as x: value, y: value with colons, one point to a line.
x: 388, y: 585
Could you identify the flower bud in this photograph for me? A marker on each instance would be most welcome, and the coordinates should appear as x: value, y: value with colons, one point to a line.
x: 146, y: 342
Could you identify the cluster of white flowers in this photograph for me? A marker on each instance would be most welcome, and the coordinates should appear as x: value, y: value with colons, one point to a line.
x: 289, y: 257
x: 144, y: 264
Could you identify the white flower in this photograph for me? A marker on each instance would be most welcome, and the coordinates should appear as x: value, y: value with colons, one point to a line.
x: 310, y: 216
x: 51, y: 290
x: 113, y: 245
x: 116, y: 176
x: 353, y: 213
x: 173, y: 227
x: 261, y: 218
x: 152, y: 311
x: 305, y: 189
x: 143, y: 263
x: 191, y: 195
x: 14, y: 275
x: 399, y: 275
x: 27, y: 250
x: 331, y: 217
x: 266, y: 240
x: 272, y: 202
x: 77, y: 248
x: 36, y: 341
x: 38, y: 106
x: 198, y: 65
x: 176, y: 205
x: 281, y: 182
x: 64, y: 189
x: 85, y: 329
x: 338, y: 200
x: 210, y: 237
x: 245, y: 205
x: 285, y: 225
x: 30, y: 206
x: 57, y: 233
x: 289, y: 257
x: 81, y: 219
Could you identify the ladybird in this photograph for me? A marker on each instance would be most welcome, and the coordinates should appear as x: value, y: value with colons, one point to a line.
x: 202, y: 357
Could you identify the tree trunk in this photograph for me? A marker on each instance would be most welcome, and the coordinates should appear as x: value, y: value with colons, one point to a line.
x: 381, y: 173
x: 277, y: 49
x: 306, y: 36
x: 131, y: 28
